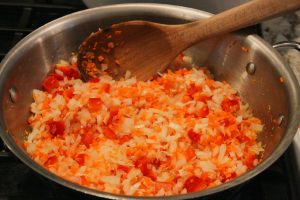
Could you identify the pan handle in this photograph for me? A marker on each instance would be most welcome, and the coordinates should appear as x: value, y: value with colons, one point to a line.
x: 291, y: 44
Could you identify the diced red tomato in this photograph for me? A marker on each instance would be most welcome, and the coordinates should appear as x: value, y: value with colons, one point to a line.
x: 69, y: 72
x: 69, y: 93
x: 79, y: 158
x: 95, y: 103
x: 190, y: 154
x: 201, y: 97
x: 142, y: 163
x: 56, y: 128
x: 231, y: 104
x: 203, y: 112
x: 248, y: 161
x: 110, y: 134
x: 151, y: 175
x: 87, y: 139
x: 113, y: 111
x: 51, y: 160
x: 192, y: 89
x: 243, y: 138
x: 94, y: 80
x: 156, y: 163
x: 223, y: 177
x: 58, y: 77
x: 233, y: 175
x: 106, y: 87
x: 57, y: 92
x: 168, y: 85
x: 124, y: 139
x: 50, y: 83
x: 84, y: 181
x: 224, y: 122
x: 195, y: 138
x: 194, y: 184
x: 123, y: 168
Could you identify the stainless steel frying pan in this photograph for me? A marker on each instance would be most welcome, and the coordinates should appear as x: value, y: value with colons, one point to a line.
x: 255, y: 75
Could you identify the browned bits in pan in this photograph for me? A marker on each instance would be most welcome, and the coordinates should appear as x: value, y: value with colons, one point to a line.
x: 100, y: 58
x: 281, y: 80
x: 122, y: 43
x: 95, y: 45
x: 245, y: 49
x: 111, y: 45
x: 108, y: 36
x: 91, y: 68
x: 118, y: 32
x: 89, y: 55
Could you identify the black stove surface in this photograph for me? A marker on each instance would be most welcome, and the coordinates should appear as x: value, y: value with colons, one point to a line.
x: 20, y: 17
x: 17, y: 181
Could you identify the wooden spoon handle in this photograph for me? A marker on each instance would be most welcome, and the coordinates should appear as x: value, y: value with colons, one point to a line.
x: 239, y: 17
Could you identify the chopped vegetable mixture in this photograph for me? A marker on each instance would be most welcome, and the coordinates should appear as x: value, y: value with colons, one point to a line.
x: 181, y: 132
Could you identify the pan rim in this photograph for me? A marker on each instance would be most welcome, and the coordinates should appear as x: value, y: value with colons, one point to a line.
x: 194, y: 14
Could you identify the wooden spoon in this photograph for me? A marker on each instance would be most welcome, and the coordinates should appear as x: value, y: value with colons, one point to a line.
x: 143, y: 48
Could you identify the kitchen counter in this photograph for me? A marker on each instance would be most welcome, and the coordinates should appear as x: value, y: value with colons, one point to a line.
x: 285, y: 28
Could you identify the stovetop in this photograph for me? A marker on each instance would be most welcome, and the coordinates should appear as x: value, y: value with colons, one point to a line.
x: 18, y: 18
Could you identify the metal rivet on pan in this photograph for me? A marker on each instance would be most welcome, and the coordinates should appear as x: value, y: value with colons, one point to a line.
x: 280, y: 120
x: 250, y: 68
x: 13, y: 94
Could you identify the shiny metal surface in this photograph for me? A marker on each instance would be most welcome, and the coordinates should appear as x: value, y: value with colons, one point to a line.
x: 293, y: 45
x: 27, y: 64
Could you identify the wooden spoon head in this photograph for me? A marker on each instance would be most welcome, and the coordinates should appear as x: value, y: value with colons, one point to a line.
x: 139, y: 47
